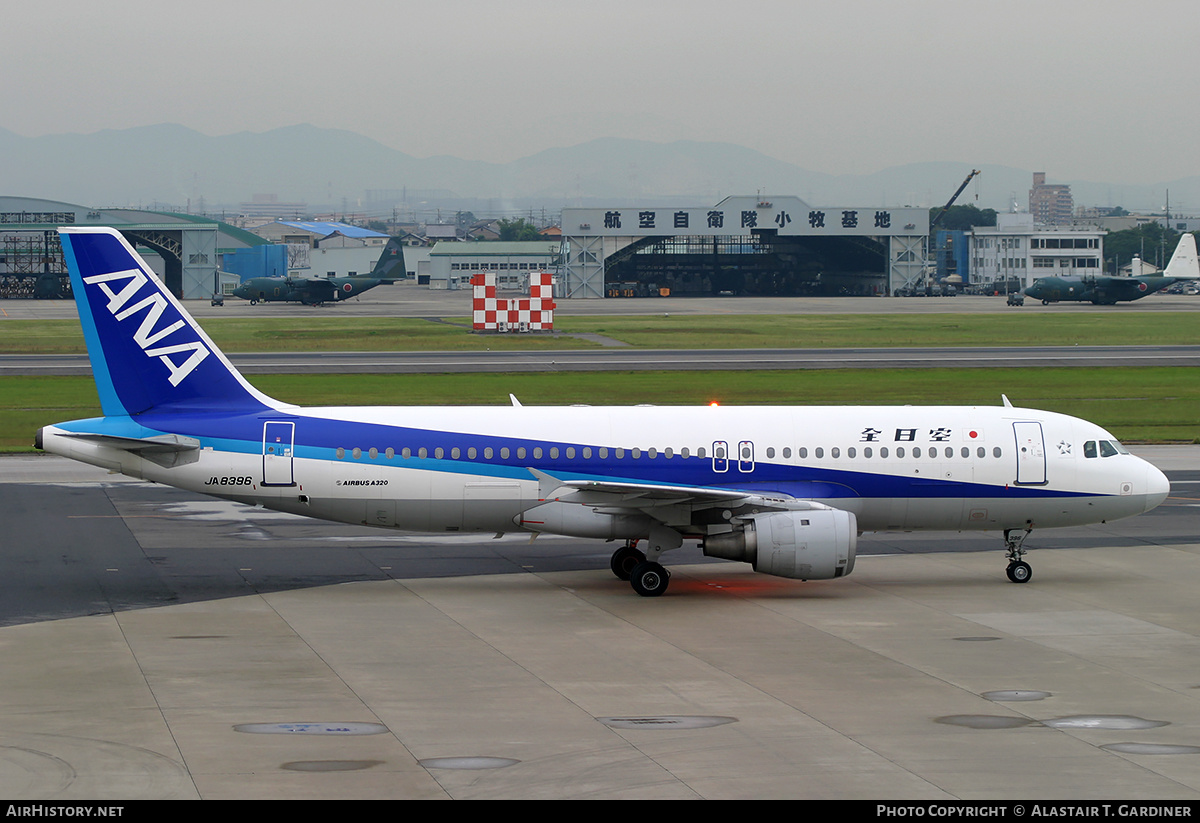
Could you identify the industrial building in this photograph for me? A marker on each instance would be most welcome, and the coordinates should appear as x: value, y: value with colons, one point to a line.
x: 452, y: 264
x: 325, y: 249
x: 183, y: 249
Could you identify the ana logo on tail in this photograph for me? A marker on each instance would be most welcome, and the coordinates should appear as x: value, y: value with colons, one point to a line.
x: 147, y: 335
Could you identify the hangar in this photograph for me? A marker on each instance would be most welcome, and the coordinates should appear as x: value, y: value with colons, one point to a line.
x: 742, y: 245
x: 31, y: 261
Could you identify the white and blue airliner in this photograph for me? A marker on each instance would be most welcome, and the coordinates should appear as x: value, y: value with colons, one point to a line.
x: 787, y: 489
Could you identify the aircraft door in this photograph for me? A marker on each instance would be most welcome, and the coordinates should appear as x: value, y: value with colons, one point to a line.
x: 1031, y: 454
x: 745, y: 456
x: 278, y: 443
x: 720, y: 456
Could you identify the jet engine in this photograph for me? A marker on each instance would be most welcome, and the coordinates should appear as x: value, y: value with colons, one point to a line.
x: 805, y: 545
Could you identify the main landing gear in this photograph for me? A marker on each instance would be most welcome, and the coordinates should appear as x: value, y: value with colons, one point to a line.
x: 1018, y: 570
x: 625, y: 558
x: 648, y: 578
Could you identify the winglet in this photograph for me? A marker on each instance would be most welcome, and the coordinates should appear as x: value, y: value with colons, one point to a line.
x: 1007, y: 404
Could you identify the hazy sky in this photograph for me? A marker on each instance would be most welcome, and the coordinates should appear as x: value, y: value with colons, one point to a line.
x: 1100, y: 90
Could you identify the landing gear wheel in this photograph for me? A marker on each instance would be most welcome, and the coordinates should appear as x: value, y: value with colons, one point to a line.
x: 649, y: 579
x: 624, y: 560
x: 1019, y: 572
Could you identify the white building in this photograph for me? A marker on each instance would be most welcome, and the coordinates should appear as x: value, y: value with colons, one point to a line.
x: 452, y: 265
x: 1017, y: 249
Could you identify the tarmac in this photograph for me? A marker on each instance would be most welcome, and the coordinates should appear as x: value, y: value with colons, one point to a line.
x: 925, y: 675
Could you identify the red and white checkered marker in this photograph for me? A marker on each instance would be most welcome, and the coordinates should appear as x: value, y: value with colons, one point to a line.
x: 534, y: 313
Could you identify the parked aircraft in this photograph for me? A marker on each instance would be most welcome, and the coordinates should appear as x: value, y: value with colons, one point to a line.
x: 785, y: 489
x: 311, y: 291
x: 315, y: 291
x: 1107, y: 291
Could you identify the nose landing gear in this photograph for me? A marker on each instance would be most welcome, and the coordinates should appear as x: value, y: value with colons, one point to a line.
x: 1018, y: 570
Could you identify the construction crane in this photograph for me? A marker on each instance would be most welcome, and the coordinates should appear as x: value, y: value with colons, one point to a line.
x: 938, y: 217
x: 922, y: 283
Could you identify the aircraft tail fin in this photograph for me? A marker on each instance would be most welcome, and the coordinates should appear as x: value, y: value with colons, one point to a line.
x: 390, y: 265
x: 146, y: 351
x: 1184, y: 262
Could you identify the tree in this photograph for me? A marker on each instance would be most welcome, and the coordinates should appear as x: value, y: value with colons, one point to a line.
x: 960, y: 218
x: 1152, y: 242
x: 518, y: 229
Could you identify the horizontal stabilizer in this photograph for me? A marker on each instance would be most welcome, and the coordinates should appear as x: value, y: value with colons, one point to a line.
x: 167, y: 450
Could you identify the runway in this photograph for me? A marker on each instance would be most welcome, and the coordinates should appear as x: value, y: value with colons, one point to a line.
x: 628, y: 359
x: 161, y: 645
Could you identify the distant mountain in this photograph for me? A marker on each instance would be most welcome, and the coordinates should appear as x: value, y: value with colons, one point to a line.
x: 170, y: 165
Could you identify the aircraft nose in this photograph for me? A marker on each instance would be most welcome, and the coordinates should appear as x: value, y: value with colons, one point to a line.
x: 1157, y: 486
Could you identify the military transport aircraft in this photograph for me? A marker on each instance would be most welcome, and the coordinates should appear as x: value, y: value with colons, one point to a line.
x: 1106, y: 291
x: 311, y: 291
x: 785, y: 489
x: 316, y: 291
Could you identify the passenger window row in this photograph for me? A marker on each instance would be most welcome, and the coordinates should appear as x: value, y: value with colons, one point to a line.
x: 883, y: 452
x: 586, y: 452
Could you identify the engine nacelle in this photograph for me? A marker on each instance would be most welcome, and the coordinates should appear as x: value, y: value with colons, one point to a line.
x: 807, y: 545
x: 583, y: 521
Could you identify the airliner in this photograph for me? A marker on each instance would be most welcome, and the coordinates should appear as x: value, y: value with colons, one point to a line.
x: 786, y: 489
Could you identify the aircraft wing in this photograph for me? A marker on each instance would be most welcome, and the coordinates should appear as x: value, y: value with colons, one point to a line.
x: 647, y: 497
x: 318, y: 285
x: 1130, y: 288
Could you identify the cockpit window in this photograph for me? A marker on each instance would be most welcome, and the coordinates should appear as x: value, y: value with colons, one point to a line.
x: 1103, y: 448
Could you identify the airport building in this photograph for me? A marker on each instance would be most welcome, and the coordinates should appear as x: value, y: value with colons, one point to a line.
x: 1018, y: 249
x: 742, y: 245
x: 452, y: 264
x: 184, y: 250
x: 325, y: 249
